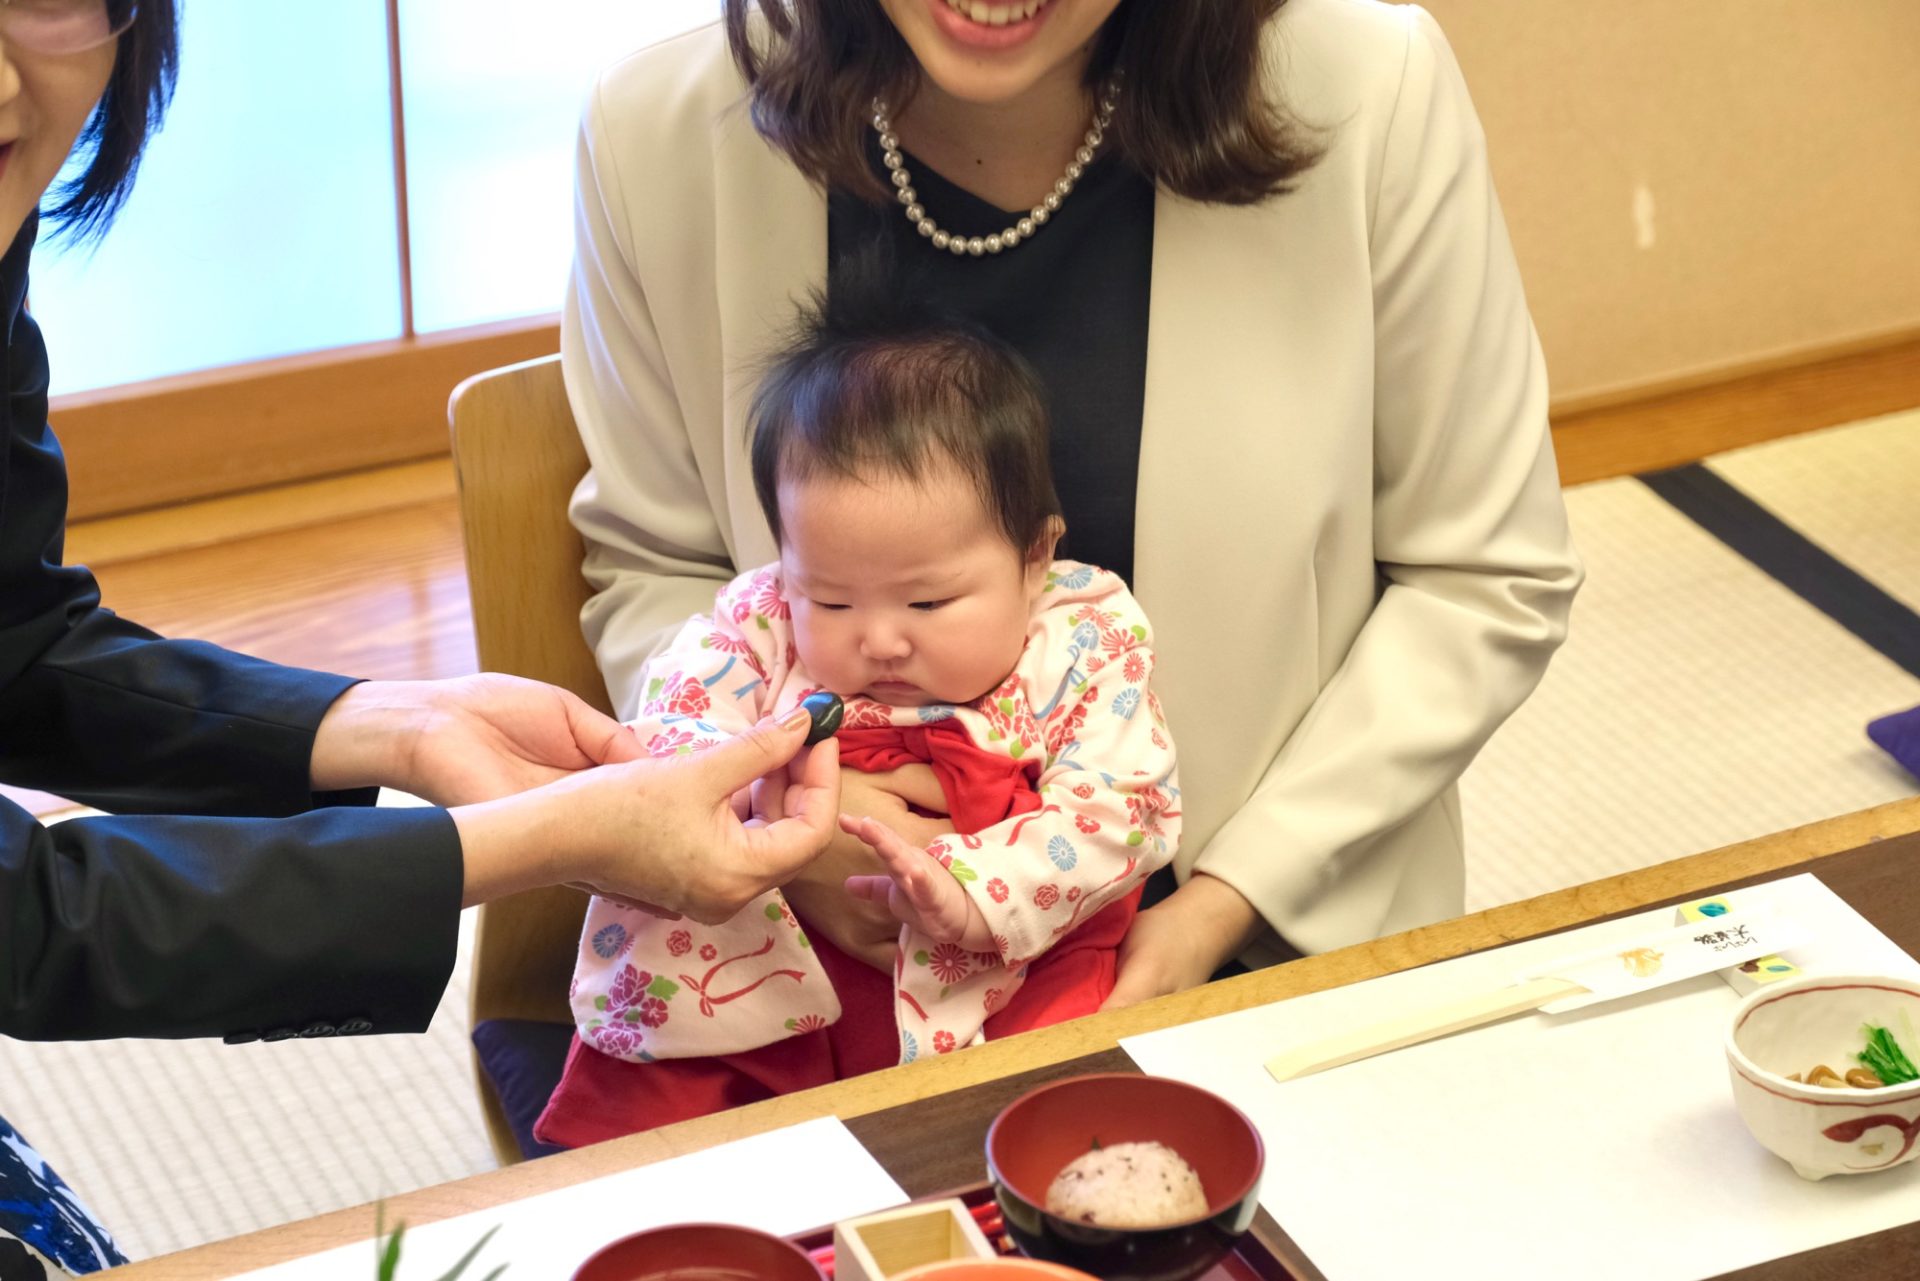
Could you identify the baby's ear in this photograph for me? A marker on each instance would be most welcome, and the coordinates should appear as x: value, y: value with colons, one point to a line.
x: 1041, y: 553
x: 1040, y: 557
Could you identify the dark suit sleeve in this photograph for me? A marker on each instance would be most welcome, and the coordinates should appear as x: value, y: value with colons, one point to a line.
x: 282, y: 916
x: 337, y: 920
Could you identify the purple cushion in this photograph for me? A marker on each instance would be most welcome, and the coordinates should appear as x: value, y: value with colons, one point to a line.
x: 523, y: 1059
x: 1899, y: 734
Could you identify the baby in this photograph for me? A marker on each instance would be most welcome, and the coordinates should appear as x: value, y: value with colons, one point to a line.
x: 902, y: 465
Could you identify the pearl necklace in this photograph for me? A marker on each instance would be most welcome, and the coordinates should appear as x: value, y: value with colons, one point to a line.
x: 1022, y: 230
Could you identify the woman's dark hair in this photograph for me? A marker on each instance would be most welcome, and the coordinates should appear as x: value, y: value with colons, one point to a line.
x: 1195, y: 116
x: 129, y: 112
x: 871, y: 381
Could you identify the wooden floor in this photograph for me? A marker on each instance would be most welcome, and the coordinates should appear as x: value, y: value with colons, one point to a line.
x: 362, y: 575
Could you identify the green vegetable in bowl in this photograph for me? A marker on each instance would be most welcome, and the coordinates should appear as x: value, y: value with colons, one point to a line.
x: 1884, y: 1057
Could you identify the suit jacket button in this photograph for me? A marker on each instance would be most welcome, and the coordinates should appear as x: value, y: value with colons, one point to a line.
x: 278, y: 1034
x: 355, y: 1027
x: 242, y: 1037
x: 319, y: 1027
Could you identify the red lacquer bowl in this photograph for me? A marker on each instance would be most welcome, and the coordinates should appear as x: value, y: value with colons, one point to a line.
x: 1039, y: 1133
x: 1008, y: 1269
x: 699, y: 1252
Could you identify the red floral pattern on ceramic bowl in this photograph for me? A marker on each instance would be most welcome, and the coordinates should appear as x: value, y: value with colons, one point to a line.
x: 1789, y: 1028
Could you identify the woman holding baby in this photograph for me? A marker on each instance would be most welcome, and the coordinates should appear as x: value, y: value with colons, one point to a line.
x: 1253, y: 251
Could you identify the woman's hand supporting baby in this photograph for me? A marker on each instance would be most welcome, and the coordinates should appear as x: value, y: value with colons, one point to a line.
x: 917, y: 889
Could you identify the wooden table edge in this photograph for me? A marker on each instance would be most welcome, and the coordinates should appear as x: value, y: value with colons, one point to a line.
x: 1561, y: 909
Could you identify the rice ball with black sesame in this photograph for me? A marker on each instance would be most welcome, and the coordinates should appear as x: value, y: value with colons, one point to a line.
x: 1128, y: 1185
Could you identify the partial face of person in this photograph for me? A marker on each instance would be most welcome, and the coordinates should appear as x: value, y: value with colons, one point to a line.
x: 994, y: 51
x: 46, y: 95
x: 905, y: 591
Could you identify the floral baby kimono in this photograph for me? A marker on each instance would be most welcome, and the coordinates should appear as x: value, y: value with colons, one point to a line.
x: 1063, y: 797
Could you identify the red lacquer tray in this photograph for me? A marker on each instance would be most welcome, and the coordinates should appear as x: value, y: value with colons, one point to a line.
x: 1253, y: 1259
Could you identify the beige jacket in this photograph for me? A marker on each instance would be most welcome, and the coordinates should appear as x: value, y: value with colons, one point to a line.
x: 1350, y: 531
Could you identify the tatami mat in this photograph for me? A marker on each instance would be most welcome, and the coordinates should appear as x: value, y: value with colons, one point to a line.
x: 1854, y: 490
x: 176, y: 1143
x: 1697, y: 703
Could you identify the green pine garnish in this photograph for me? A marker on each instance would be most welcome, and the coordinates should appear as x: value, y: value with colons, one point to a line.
x: 387, y: 1252
x: 1884, y: 1057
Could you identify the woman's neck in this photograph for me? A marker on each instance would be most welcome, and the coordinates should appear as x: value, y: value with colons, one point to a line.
x: 1006, y: 153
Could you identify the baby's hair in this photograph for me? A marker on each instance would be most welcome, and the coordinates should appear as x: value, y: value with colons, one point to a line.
x: 871, y: 381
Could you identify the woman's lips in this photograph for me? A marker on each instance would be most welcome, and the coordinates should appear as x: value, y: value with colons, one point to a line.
x: 1000, y: 25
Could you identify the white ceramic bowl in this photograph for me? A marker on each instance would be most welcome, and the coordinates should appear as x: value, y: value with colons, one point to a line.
x: 1791, y: 1027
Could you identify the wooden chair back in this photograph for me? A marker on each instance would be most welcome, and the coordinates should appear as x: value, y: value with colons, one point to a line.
x: 517, y: 459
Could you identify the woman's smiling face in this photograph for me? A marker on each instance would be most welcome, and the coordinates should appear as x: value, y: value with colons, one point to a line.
x: 994, y: 51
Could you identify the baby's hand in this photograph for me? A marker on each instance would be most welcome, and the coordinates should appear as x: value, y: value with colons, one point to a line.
x: 917, y: 889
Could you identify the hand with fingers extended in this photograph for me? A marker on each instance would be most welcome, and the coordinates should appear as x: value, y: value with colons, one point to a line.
x: 663, y: 834
x: 862, y: 929
x: 466, y: 739
x: 917, y: 888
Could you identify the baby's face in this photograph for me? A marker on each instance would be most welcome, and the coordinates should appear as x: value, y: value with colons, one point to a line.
x: 904, y: 591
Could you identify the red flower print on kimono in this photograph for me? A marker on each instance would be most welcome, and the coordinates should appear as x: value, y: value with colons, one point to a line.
x: 621, y: 1040
x: 767, y: 599
x: 1046, y: 896
x: 1144, y: 806
x: 1086, y: 824
x: 679, y: 942
x: 686, y: 696
x: 725, y: 644
x: 806, y: 1023
x: 1083, y: 790
x: 669, y: 741
x: 1114, y: 640
x: 864, y: 713
x: 997, y: 890
x: 1009, y: 719
x: 1063, y: 731
x: 1136, y: 668
x: 943, y: 1042
x: 628, y: 985
x: 950, y: 963
x: 653, y: 1011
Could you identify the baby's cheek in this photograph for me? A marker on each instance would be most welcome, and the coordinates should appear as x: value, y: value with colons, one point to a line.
x: 825, y: 656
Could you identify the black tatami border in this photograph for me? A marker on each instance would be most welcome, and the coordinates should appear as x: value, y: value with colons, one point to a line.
x: 1794, y: 560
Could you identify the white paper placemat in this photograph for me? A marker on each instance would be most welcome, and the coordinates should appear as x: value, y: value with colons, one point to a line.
x: 1589, y: 1146
x: 782, y: 1182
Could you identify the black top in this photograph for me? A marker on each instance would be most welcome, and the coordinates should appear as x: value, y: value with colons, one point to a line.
x: 282, y: 919
x: 1072, y: 300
